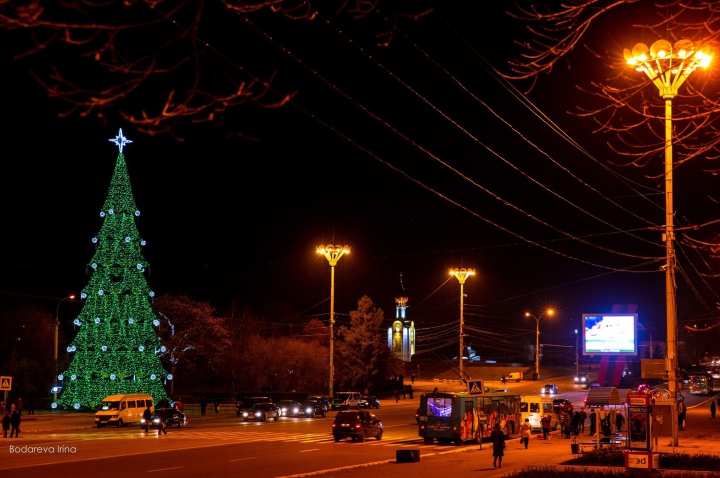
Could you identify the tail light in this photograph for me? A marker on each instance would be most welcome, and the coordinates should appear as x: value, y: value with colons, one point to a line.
x: 358, y: 425
x: 333, y: 425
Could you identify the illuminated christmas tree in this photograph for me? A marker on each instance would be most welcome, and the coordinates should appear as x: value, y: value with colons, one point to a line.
x: 116, y: 348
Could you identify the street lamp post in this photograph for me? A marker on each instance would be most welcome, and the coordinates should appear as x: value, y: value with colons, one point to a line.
x: 462, y: 275
x: 577, y: 355
x: 55, y: 350
x: 333, y: 255
x: 668, y: 66
x: 547, y: 313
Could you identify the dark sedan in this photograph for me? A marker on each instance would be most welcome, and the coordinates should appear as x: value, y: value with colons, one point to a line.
x: 313, y: 408
x: 172, y: 416
x: 368, y: 401
x: 358, y: 425
x: 261, y: 412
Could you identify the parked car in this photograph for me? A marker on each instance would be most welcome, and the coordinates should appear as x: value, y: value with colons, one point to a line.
x: 549, y: 389
x: 289, y: 408
x: 369, y: 401
x: 313, y: 408
x: 582, y: 378
x: 562, y: 405
x: 172, y: 417
x: 358, y: 425
x: 261, y: 411
x: 346, y: 400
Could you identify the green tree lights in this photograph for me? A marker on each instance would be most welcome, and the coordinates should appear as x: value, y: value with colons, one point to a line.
x: 116, y: 348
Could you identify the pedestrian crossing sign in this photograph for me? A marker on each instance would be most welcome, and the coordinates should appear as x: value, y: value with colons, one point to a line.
x: 5, y: 384
x: 476, y: 387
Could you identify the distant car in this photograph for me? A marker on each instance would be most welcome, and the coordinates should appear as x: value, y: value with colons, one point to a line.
x: 289, y: 408
x: 172, y: 417
x: 324, y: 400
x: 313, y: 408
x: 562, y: 405
x: 715, y: 373
x: 369, y: 401
x: 582, y: 378
x: 549, y: 389
x: 261, y: 412
x: 358, y: 425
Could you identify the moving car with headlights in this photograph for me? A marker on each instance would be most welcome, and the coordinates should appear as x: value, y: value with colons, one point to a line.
x: 358, y: 425
x: 172, y: 416
x: 369, y: 401
x: 549, y: 389
x: 313, y: 408
x: 248, y: 402
x: 289, y: 408
x: 582, y: 378
x: 261, y: 412
x: 120, y: 410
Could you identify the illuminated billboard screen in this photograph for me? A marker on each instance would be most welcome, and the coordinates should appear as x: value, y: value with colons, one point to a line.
x: 610, y: 334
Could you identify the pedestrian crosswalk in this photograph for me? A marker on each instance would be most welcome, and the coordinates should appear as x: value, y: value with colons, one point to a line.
x: 239, y: 436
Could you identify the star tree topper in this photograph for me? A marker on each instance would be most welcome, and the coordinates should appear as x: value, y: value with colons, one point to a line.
x: 120, y: 140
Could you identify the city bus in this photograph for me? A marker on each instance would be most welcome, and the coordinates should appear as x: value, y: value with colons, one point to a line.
x: 459, y: 417
x: 701, y: 385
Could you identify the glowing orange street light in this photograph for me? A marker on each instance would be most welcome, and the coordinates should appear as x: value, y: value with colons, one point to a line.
x: 462, y: 275
x: 547, y: 313
x: 333, y: 255
x: 668, y: 66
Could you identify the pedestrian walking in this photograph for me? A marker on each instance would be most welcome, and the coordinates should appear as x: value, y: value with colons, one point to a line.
x: 712, y: 409
x: 397, y: 395
x: 593, y: 422
x: 147, y: 416
x: 682, y: 409
x: 203, y: 405
x: 546, y: 421
x: 525, y: 432
x: 19, y: 406
x: 581, y: 422
x: 14, y: 421
x: 498, y: 440
x: 6, y: 423
x: 161, y: 426
x: 217, y: 405
x: 412, y: 379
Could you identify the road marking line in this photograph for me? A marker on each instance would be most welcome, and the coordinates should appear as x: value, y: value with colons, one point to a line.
x: 312, y: 449
x: 243, y: 459
x: 165, y: 469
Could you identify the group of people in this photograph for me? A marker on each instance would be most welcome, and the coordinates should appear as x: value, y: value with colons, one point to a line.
x: 571, y: 424
x: 11, y: 420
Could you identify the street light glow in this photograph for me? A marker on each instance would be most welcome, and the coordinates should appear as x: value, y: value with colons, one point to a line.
x: 668, y: 66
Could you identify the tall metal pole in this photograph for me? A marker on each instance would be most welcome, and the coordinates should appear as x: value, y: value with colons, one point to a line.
x: 55, y: 349
x: 671, y: 356
x: 460, y: 356
x: 462, y: 275
x: 333, y: 255
x: 332, y: 327
x: 537, y: 347
x: 577, y: 355
x: 668, y: 66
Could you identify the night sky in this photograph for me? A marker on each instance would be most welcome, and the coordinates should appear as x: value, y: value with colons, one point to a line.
x: 236, y: 221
